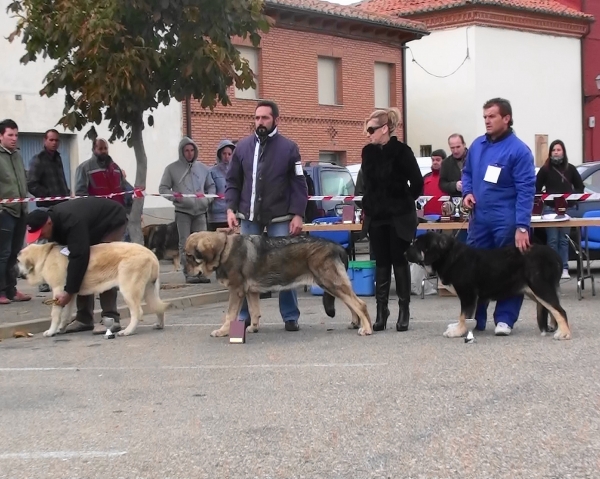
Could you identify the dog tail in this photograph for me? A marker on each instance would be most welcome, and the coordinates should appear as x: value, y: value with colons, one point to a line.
x: 152, y: 297
x: 329, y: 304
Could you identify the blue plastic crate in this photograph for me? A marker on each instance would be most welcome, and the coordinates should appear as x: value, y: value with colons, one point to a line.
x: 362, y: 277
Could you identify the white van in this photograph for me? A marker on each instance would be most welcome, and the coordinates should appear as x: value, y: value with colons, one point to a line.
x: 423, y: 162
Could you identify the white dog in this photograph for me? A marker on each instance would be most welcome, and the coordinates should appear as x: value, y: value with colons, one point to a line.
x: 130, y: 266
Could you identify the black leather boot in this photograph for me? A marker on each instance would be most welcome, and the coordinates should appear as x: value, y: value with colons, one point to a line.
x: 402, y: 275
x: 383, y: 278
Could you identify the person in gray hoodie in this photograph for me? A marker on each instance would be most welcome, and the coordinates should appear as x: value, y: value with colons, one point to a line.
x: 217, y: 214
x: 188, y: 176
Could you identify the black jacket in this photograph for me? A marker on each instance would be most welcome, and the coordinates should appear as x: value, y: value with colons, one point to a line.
x: 565, y: 179
x: 82, y: 223
x: 450, y: 173
x: 46, y: 177
x: 391, y: 180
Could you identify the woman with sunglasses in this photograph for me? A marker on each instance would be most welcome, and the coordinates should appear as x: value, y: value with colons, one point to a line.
x: 392, y: 182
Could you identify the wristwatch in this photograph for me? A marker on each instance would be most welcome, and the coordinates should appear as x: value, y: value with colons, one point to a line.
x: 523, y: 230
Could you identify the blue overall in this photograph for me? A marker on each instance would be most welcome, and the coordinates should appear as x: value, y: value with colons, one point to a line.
x: 501, y: 206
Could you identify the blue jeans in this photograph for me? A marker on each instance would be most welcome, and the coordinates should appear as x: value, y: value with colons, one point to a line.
x: 490, y: 236
x: 288, y: 300
x: 557, y: 239
x: 12, y: 237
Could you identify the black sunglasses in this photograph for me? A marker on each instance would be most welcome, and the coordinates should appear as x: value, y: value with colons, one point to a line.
x: 372, y: 129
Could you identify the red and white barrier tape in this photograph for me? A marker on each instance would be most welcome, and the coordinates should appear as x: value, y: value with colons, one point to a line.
x: 138, y: 193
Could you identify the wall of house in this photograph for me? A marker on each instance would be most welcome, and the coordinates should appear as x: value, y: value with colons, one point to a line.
x: 440, y: 98
x: 36, y: 114
x: 544, y: 90
x: 288, y: 75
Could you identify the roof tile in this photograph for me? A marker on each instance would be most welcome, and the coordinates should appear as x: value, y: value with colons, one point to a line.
x: 320, y: 6
x: 413, y: 7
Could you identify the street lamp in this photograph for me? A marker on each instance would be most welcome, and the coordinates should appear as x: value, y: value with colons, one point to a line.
x: 591, y: 97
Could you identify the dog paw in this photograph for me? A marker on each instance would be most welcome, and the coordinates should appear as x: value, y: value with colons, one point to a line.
x: 125, y: 332
x: 252, y: 329
x: 48, y: 333
x: 217, y: 333
x: 353, y: 326
x: 158, y: 326
x: 364, y: 332
x: 562, y: 336
x: 454, y: 331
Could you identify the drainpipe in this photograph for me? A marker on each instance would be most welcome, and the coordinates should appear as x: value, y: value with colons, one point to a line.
x: 583, y: 109
x: 188, y: 118
x: 404, y: 108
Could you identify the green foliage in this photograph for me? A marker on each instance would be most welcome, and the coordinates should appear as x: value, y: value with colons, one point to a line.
x: 116, y: 59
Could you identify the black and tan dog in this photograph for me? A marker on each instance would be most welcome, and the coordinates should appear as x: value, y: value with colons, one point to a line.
x: 494, y: 274
x: 163, y: 241
x: 248, y: 265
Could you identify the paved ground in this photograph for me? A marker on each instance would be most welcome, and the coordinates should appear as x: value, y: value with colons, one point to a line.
x: 319, y: 403
x: 173, y: 285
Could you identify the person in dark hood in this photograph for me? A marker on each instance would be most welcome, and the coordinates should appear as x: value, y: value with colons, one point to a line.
x: 558, y: 176
x: 217, y: 214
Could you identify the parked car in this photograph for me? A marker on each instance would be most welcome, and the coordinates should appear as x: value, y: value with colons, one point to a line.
x: 590, y: 174
x: 424, y: 163
x: 330, y: 180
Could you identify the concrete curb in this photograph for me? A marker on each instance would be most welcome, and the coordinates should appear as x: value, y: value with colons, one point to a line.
x: 42, y: 324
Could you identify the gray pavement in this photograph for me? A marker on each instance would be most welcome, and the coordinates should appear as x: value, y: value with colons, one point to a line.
x: 319, y: 403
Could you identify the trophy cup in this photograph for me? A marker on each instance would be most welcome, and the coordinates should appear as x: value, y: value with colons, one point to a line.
x: 457, y: 210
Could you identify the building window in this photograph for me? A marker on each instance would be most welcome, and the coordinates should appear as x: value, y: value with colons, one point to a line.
x: 329, y: 81
x: 251, y: 55
x: 382, y: 85
x: 334, y: 157
x: 426, y: 150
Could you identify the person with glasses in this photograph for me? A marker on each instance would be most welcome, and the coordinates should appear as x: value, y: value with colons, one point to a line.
x: 391, y: 183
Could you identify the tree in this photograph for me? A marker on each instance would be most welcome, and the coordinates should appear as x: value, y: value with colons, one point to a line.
x: 118, y: 59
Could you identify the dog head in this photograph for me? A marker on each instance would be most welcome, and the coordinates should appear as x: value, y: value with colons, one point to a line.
x: 30, y: 262
x: 429, y: 248
x: 204, y: 250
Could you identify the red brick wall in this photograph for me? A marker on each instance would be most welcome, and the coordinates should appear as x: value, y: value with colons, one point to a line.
x: 591, y: 68
x: 288, y: 75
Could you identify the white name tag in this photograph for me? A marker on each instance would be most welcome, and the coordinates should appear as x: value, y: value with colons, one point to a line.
x: 65, y: 251
x: 492, y: 174
x: 299, y: 171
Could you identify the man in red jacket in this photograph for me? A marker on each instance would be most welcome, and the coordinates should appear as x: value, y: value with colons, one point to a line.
x: 431, y: 184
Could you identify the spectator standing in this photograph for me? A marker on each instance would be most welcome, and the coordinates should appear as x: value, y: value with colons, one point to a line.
x: 217, y: 213
x: 12, y: 216
x: 46, y: 177
x: 187, y: 175
x: 431, y: 182
x: 558, y: 176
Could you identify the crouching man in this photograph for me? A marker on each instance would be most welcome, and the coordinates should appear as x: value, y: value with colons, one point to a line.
x: 80, y: 224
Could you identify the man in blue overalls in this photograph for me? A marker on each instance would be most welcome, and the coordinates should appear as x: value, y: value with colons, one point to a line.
x: 499, y: 184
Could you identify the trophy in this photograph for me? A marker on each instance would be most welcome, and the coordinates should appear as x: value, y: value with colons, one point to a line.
x: 457, y: 210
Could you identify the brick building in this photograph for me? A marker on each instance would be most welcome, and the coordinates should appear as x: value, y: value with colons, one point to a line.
x: 591, y: 79
x: 327, y: 66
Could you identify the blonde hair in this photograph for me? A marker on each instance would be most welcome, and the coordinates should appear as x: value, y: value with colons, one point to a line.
x: 390, y: 117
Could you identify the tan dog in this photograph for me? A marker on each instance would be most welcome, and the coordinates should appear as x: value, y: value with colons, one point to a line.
x: 131, y: 267
x: 249, y: 265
